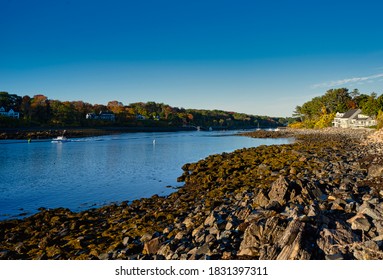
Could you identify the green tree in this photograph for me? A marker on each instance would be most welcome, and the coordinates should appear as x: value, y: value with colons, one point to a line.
x: 370, y: 106
x: 40, y: 111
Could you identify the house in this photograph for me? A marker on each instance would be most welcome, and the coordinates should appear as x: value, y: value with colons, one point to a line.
x: 91, y: 116
x: 353, y: 119
x: 102, y: 116
x: 107, y: 116
x: 11, y: 113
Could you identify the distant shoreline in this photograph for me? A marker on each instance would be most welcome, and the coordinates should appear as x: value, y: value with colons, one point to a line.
x: 78, y: 132
x: 46, y: 133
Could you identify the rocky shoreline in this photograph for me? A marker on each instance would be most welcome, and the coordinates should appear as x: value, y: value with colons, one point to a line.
x: 318, y: 198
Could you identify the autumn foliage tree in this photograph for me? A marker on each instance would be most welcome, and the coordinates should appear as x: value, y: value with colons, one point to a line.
x: 40, y: 110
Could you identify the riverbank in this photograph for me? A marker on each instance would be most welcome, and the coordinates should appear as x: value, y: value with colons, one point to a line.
x: 319, y: 198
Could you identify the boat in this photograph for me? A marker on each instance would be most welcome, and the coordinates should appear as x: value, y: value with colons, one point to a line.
x: 60, y: 139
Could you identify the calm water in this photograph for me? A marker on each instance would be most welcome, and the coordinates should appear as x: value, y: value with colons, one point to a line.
x: 95, y: 171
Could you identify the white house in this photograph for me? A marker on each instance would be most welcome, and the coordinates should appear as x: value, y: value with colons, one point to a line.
x: 353, y: 119
x: 11, y: 113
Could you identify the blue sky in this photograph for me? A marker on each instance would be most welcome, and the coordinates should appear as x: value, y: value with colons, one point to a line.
x: 256, y: 57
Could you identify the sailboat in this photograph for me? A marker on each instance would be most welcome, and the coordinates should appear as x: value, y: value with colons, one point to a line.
x: 60, y: 139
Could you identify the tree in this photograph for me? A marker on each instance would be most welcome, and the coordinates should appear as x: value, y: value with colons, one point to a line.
x: 10, y: 101
x: 25, y: 109
x: 336, y: 100
x: 116, y: 107
x: 370, y: 106
x: 40, y: 109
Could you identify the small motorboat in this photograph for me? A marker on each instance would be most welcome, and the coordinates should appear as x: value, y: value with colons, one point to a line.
x: 60, y: 139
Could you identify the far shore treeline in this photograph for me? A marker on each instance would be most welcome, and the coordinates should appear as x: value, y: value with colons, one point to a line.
x: 40, y: 111
x: 320, y: 111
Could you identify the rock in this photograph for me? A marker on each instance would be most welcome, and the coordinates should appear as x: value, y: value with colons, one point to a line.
x: 210, y: 238
x: 188, y: 222
x: 180, y: 235
x: 242, y: 213
x: 333, y: 241
x: 274, y: 238
x: 227, y: 255
x: 359, y: 222
x: 261, y: 199
x: 279, y: 190
x: 151, y: 247
x: 368, y: 211
x: 375, y: 170
x: 368, y: 250
x: 334, y: 257
x: 125, y: 241
x: 197, y: 231
x: 213, y: 230
x: 252, y: 239
x: 105, y: 256
x: 379, y: 226
x: 146, y: 237
x: 209, y: 221
x: 288, y: 246
x: 293, y: 171
x: 203, y: 250
x: 229, y: 226
x: 165, y: 251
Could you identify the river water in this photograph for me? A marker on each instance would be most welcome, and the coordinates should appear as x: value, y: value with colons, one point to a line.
x: 91, y: 172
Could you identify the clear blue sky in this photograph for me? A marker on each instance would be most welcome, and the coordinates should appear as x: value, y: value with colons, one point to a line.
x: 258, y: 57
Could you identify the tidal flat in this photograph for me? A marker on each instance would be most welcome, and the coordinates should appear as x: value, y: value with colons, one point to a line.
x: 318, y: 198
